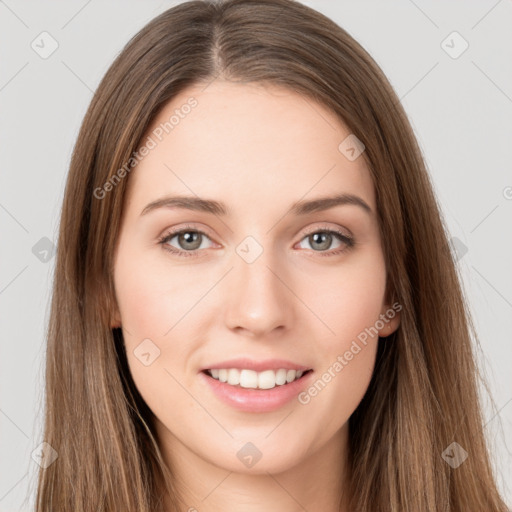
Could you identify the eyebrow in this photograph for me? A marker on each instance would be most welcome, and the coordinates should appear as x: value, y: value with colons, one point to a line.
x: 218, y: 208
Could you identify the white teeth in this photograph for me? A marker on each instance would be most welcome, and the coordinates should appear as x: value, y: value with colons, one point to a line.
x: 248, y: 378
x: 267, y: 379
x: 281, y: 377
x: 233, y: 377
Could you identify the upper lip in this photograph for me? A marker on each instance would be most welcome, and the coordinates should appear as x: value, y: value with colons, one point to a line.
x: 244, y: 363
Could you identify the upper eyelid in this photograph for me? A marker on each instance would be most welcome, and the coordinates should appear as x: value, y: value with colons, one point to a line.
x: 313, y: 229
x: 334, y: 229
x: 174, y: 232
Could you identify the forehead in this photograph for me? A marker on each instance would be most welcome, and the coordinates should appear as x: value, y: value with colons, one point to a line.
x: 243, y: 142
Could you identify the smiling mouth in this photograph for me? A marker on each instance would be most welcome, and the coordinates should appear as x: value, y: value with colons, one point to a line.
x: 250, y: 379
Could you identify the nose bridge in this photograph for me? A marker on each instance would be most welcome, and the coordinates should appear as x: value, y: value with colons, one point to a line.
x: 258, y: 300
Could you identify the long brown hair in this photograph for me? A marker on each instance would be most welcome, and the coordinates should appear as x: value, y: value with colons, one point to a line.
x: 424, y: 392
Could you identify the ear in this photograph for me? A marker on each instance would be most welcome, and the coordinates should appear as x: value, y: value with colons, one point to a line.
x: 389, y: 319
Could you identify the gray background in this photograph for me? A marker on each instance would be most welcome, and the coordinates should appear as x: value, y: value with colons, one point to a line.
x: 460, y: 108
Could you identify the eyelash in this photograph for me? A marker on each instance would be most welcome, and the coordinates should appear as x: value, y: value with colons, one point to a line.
x: 347, y: 240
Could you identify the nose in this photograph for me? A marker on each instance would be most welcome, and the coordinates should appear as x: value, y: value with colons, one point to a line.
x: 259, y: 298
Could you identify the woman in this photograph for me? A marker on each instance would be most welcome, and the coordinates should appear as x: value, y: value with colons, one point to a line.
x: 255, y: 304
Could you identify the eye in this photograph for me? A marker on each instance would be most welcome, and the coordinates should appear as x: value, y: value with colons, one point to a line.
x: 322, y: 239
x: 189, y: 241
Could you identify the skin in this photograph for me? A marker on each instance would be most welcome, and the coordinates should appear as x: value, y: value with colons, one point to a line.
x: 258, y: 150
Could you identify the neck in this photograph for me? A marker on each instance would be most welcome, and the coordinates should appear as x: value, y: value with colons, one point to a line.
x: 316, y: 482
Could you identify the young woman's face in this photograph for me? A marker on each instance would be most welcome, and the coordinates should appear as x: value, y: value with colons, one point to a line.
x: 262, y: 277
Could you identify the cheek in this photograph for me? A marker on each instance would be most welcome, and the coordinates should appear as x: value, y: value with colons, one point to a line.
x: 144, y: 310
x: 338, y: 390
x: 342, y: 378
x: 349, y: 301
x: 146, y: 296
x: 159, y: 308
x: 151, y: 296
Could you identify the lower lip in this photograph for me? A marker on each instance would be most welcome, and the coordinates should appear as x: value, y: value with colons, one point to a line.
x: 256, y: 400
